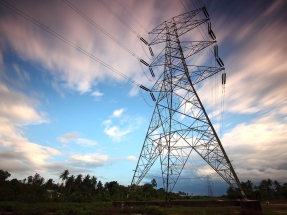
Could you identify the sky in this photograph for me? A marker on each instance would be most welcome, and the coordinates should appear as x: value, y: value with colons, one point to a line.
x: 60, y: 109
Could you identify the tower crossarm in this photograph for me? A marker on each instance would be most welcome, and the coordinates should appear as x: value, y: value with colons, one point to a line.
x: 189, y: 49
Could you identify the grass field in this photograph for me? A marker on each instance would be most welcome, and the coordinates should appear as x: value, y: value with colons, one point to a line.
x: 103, y: 208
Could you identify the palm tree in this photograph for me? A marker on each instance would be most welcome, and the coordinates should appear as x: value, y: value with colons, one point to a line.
x: 78, y: 181
x: 64, y: 176
x: 70, y: 181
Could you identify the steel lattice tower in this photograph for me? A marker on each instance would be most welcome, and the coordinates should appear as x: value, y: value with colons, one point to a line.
x: 209, y: 188
x: 179, y: 122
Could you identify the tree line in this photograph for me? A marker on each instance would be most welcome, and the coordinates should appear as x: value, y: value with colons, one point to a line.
x: 80, y: 188
x: 86, y: 188
x: 266, y: 190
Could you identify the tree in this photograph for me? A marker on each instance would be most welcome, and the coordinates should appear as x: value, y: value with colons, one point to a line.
x: 93, y: 183
x: 87, y: 180
x: 70, y: 182
x: 248, y: 189
x: 64, y: 175
x: 265, y: 187
x: 4, y: 175
x: 100, y: 187
x: 38, y: 180
x: 153, y: 183
x: 30, y: 179
x: 49, y: 184
x: 78, y: 182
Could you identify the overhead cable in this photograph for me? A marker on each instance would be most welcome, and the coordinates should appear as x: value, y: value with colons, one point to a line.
x: 100, y: 28
x: 19, y: 12
x: 132, y: 16
x: 123, y: 21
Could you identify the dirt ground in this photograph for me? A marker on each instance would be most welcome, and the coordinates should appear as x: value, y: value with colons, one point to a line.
x: 280, y: 209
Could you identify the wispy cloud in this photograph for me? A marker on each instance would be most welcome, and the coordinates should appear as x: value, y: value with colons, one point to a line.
x: 55, y: 85
x: 97, y: 94
x: 96, y: 159
x: 255, y: 65
x: 126, y: 125
x: 115, y: 132
x: 65, y: 138
x: 258, y: 148
x: 19, y: 108
x: 74, y: 137
x: 118, y: 113
x: 69, y: 65
x: 131, y: 158
x: 18, y: 154
x: 86, y: 142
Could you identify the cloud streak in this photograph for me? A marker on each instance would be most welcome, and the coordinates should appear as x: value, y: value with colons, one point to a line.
x: 74, y: 137
x: 126, y: 125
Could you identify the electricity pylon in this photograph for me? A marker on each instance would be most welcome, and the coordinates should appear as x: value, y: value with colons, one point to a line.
x: 179, y: 122
x: 209, y: 188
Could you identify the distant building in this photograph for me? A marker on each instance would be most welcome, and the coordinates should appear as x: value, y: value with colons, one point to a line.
x: 53, y: 192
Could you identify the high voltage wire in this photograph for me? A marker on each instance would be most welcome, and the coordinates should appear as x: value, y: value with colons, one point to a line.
x: 119, y: 18
x: 199, y: 4
x: 100, y: 28
x: 127, y: 25
x: 19, y: 12
x: 132, y: 16
x: 140, y: 25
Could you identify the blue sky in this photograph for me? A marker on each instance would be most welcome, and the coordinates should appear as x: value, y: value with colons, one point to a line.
x: 59, y: 109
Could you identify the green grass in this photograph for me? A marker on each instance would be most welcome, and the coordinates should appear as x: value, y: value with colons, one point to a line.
x: 57, y: 208
x: 203, y: 210
x: 106, y: 208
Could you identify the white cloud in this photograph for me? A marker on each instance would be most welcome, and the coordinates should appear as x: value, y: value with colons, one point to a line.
x: 107, y: 122
x: 74, y: 137
x: 65, y: 138
x: 97, y: 159
x: 19, y: 108
x: 256, y: 66
x: 86, y: 142
x: 17, y: 151
x: 126, y: 125
x: 258, y: 148
x: 22, y: 75
x: 97, y: 94
x: 131, y: 158
x: 118, y: 113
x: 18, y: 154
x: 116, y: 133
x: 58, y: 89
x: 76, y: 70
x: 90, y: 158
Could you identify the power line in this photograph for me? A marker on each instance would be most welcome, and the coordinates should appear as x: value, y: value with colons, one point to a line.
x: 132, y: 16
x: 100, y: 28
x: 140, y: 90
x: 119, y: 18
x: 127, y: 25
x: 141, y: 26
x: 19, y: 12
